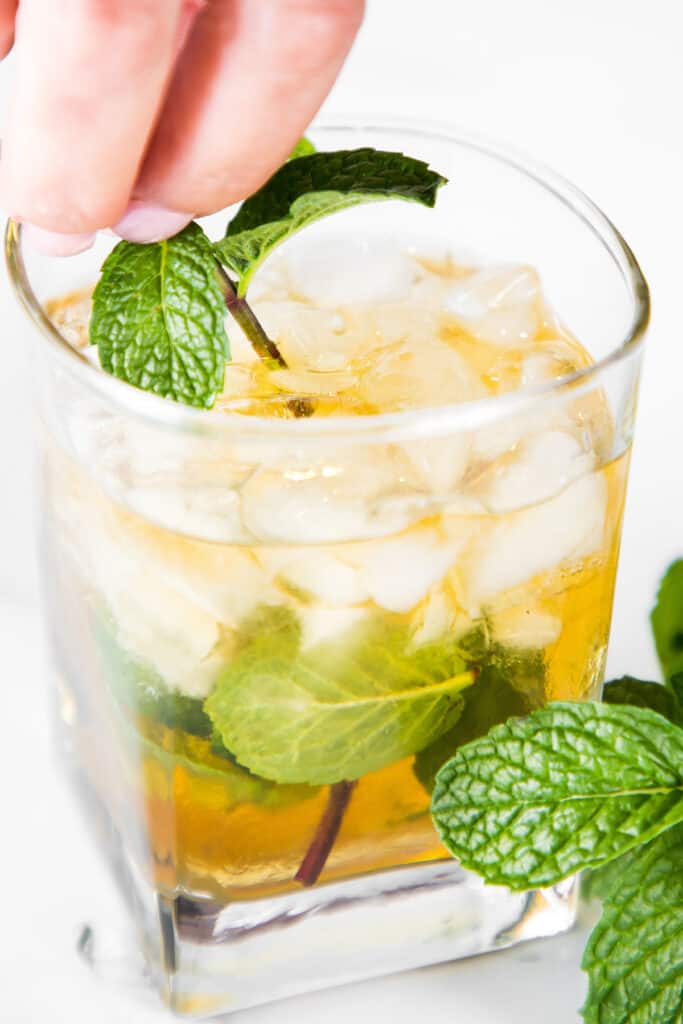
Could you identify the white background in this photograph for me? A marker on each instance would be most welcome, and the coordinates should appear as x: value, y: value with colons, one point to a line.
x: 592, y: 87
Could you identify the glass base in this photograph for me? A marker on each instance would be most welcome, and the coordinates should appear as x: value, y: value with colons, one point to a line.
x: 207, y: 958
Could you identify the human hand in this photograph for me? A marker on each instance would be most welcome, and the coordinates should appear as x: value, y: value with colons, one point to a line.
x: 142, y: 114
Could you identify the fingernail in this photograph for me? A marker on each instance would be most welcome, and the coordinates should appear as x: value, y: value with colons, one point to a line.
x: 52, y: 243
x: 147, y: 222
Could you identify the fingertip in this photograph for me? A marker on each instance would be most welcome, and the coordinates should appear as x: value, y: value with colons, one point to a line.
x: 145, y: 222
x: 53, y: 243
x: 6, y: 43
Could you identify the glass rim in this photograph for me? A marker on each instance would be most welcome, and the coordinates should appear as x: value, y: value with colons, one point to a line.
x: 409, y: 423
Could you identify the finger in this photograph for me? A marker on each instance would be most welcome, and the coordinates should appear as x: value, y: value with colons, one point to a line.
x: 51, y: 243
x: 8, y: 10
x: 248, y: 82
x: 90, y: 79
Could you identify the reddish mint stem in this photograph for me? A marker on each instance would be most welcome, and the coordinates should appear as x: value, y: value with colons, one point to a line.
x: 325, y: 834
x: 245, y: 317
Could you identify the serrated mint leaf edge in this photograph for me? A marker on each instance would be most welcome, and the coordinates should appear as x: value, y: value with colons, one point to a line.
x: 636, y: 867
x: 495, y: 877
x: 108, y: 308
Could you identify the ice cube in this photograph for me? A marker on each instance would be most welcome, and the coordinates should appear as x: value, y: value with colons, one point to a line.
x: 417, y: 373
x: 521, y: 545
x: 306, y: 382
x: 342, y: 268
x: 349, y: 495
x: 538, y: 468
x: 501, y: 305
x: 321, y: 574
x: 437, y: 616
x: 525, y: 627
x: 398, y: 572
x: 440, y: 462
x: 550, y: 360
x: 313, y: 339
x: 504, y: 436
x: 211, y: 513
x: 226, y: 582
x: 154, y: 622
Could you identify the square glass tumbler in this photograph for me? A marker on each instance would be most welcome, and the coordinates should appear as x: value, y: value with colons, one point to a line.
x: 309, y: 584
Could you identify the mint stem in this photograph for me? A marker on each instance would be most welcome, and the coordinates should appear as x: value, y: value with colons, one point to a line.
x: 325, y: 834
x: 248, y: 321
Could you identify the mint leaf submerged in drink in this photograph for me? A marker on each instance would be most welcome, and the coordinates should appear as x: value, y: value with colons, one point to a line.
x: 174, y: 727
x: 158, y: 318
x: 159, y: 309
x: 509, y: 682
x: 340, y: 709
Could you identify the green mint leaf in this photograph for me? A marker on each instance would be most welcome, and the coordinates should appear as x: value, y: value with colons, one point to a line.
x: 176, y: 729
x: 676, y: 687
x: 667, y: 620
x: 340, y: 709
x: 304, y: 147
x: 509, y: 683
x: 639, y: 694
x: 597, y: 883
x: 634, y: 957
x: 571, y: 786
x: 303, y: 191
x: 158, y: 318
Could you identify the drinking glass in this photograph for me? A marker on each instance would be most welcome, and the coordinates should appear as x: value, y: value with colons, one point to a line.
x: 342, y: 584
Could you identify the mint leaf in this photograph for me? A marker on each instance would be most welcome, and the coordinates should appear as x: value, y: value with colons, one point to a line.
x: 639, y: 694
x: 676, y: 687
x: 634, y: 957
x: 571, y: 786
x: 509, y: 683
x: 176, y: 729
x: 340, y: 709
x: 158, y: 318
x: 304, y: 147
x: 303, y: 191
x: 667, y: 620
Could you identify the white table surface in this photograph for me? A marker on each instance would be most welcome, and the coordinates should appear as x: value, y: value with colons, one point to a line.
x: 593, y: 88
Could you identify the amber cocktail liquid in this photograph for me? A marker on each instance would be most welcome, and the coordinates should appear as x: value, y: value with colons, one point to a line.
x: 272, y: 627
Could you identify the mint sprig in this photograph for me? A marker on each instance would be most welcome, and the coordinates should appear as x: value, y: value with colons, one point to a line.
x: 591, y: 785
x: 159, y: 309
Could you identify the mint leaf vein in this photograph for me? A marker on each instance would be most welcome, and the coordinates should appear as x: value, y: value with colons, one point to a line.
x: 571, y: 786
